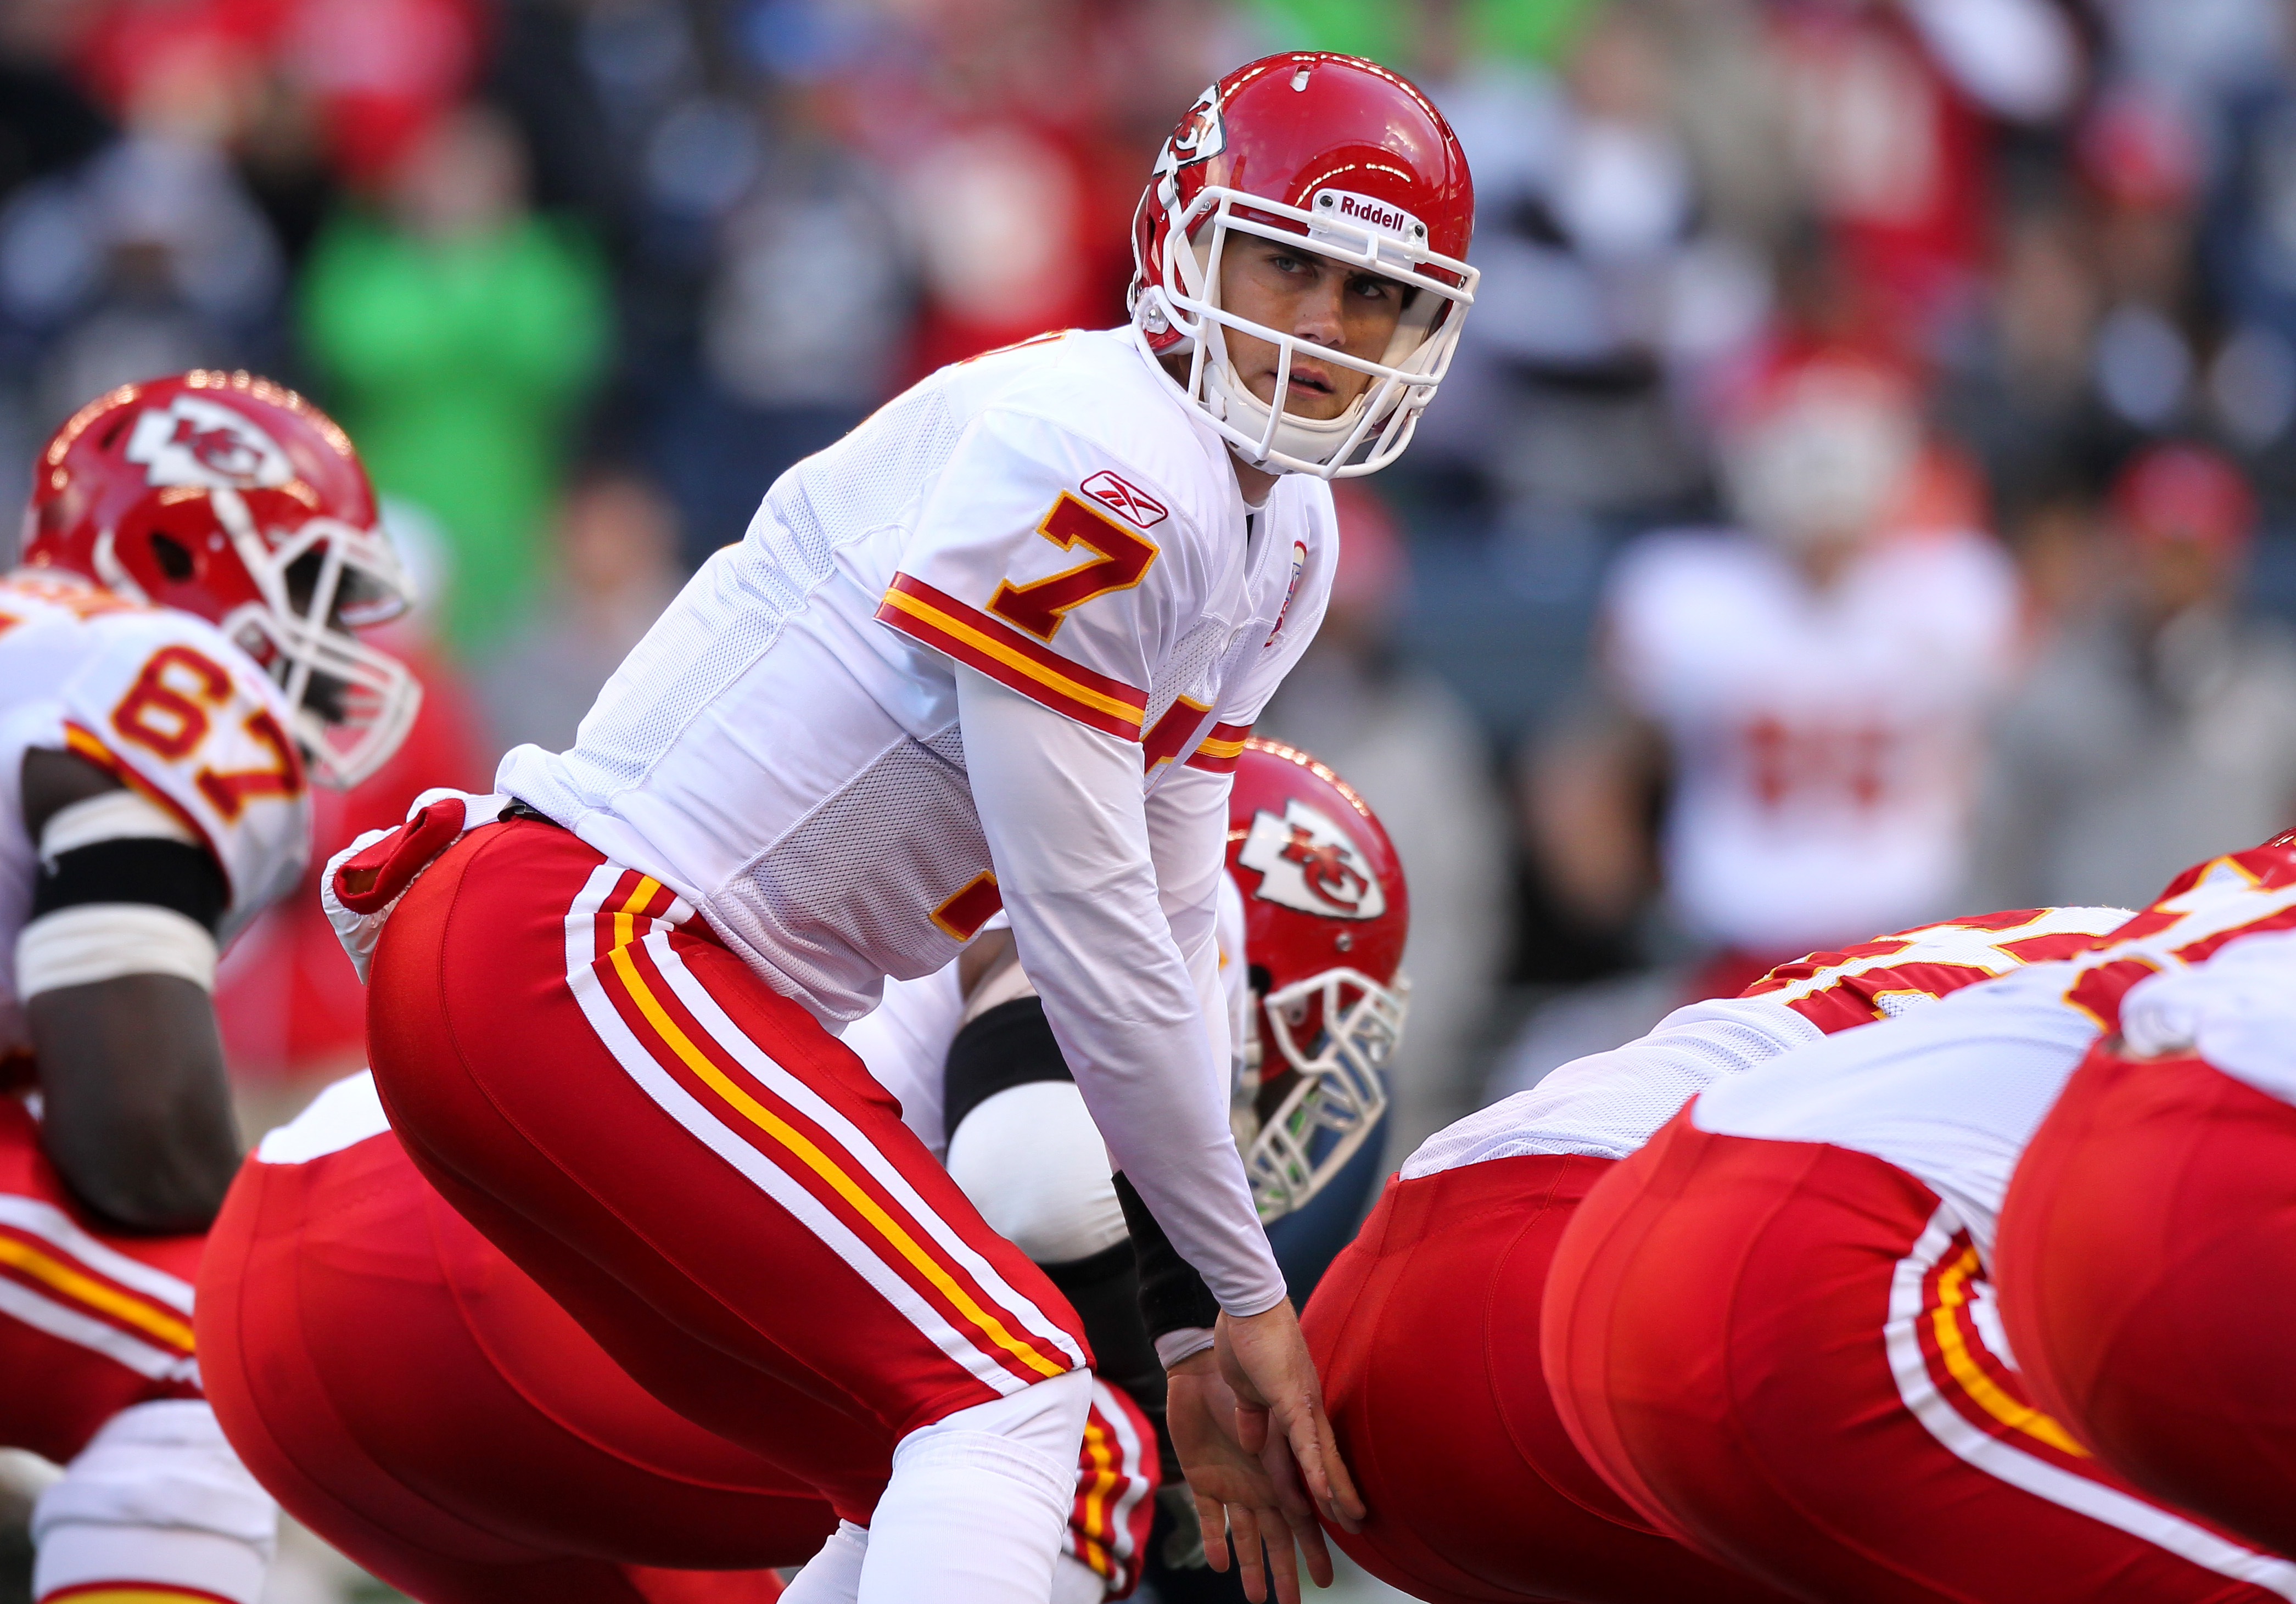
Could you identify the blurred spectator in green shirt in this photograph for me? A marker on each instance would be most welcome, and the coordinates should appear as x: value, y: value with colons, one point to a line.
x: 459, y: 333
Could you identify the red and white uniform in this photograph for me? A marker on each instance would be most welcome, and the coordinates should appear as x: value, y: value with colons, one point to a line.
x: 782, y: 750
x: 95, y: 1325
x: 1771, y: 1329
x: 2145, y: 1258
x: 418, y: 1401
x: 1823, y: 741
x: 1433, y: 1314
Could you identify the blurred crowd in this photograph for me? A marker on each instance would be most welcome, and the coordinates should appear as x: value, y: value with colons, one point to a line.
x: 1863, y: 494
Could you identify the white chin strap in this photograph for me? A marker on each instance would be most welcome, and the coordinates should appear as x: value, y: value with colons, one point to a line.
x: 1331, y: 1109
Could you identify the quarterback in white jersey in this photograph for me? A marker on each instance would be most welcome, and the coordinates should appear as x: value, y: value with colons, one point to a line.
x: 174, y: 670
x: 993, y: 649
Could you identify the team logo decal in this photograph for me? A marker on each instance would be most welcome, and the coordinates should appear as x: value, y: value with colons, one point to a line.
x: 1298, y: 567
x: 1122, y: 495
x: 194, y: 441
x: 1202, y: 134
x: 1308, y: 863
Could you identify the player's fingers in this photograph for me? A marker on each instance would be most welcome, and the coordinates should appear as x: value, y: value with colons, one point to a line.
x: 1292, y: 1499
x: 1282, y: 1566
x: 1244, y: 1537
x: 1251, y: 1427
x: 1346, y: 1501
x: 1212, y: 1516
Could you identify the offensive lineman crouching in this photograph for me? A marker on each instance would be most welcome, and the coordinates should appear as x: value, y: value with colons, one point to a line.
x: 970, y: 657
x: 174, y: 661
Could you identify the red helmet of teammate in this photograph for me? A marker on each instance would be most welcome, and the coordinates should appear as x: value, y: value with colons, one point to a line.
x: 1325, y: 913
x: 233, y: 498
x: 1350, y: 159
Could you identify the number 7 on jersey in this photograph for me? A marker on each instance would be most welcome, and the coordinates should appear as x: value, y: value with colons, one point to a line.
x: 1120, y: 561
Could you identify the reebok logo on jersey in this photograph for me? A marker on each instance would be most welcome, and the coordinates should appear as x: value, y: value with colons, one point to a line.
x: 194, y: 441
x: 1122, y: 495
x: 1306, y: 862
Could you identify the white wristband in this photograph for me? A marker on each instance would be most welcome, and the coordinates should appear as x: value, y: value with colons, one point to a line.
x: 1185, y: 1343
x: 103, y: 941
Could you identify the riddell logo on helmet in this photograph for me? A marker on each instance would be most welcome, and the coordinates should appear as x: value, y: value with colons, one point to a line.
x: 1306, y: 862
x: 1124, y: 496
x: 195, y: 441
x: 1365, y: 211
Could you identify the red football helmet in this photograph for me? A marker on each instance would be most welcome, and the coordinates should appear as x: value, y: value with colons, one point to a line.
x: 1353, y: 158
x: 233, y: 498
x: 1325, y: 913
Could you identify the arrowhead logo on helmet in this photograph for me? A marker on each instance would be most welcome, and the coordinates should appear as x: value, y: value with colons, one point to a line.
x: 195, y: 441
x: 1306, y: 862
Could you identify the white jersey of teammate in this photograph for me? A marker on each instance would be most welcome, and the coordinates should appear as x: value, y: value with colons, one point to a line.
x: 1609, y: 1104
x: 1824, y: 742
x: 1953, y: 1094
x: 2237, y: 1011
x: 784, y: 750
x: 905, y: 1041
x: 180, y: 714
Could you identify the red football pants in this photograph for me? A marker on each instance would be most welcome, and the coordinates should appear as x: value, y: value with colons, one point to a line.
x: 1774, y: 1348
x: 706, y: 1179
x: 404, y: 1392
x: 1425, y: 1331
x: 92, y: 1320
x: 2148, y: 1283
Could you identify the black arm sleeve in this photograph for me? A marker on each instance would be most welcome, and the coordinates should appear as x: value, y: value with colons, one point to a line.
x: 1010, y: 1045
x: 135, y: 869
x: 1173, y: 1296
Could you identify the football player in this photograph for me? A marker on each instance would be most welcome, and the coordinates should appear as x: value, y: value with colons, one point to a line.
x: 174, y: 666
x: 413, y: 1396
x: 2144, y: 1261
x: 968, y: 658
x: 1432, y: 1314
x: 1772, y: 1330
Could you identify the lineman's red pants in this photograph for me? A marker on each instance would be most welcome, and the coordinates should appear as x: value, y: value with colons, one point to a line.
x: 1425, y: 1331
x: 688, y: 1164
x: 2148, y: 1283
x: 1775, y: 1350
x: 92, y: 1320
x: 411, y: 1395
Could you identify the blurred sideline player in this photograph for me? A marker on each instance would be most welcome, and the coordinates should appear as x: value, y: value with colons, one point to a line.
x: 1427, y: 1329
x: 1772, y: 1328
x: 420, y: 1403
x: 175, y: 663
x: 1812, y: 688
x: 963, y: 659
x: 2145, y: 1262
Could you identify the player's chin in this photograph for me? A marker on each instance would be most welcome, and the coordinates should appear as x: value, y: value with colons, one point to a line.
x: 1317, y: 406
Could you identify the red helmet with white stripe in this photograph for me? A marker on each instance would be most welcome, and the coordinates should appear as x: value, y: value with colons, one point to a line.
x: 1352, y: 160
x: 233, y: 498
x: 1325, y: 916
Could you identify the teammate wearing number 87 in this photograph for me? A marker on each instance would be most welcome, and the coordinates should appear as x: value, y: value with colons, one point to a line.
x: 175, y: 661
x: 996, y: 648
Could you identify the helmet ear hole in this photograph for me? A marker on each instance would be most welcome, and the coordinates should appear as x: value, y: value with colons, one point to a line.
x: 174, y: 558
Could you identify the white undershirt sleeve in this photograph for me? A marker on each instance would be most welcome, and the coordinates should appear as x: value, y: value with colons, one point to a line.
x: 1187, y: 841
x: 1068, y: 827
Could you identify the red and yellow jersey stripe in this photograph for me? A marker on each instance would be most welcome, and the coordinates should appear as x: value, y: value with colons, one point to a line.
x: 935, y: 619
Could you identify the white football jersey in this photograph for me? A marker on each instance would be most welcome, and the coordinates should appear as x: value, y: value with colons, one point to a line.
x: 165, y: 702
x: 1952, y: 1095
x: 1609, y: 1104
x: 1824, y: 742
x: 2237, y: 1011
x: 782, y: 748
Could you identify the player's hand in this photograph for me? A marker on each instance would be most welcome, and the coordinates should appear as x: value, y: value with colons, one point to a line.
x: 1243, y: 1509
x: 1280, y: 1408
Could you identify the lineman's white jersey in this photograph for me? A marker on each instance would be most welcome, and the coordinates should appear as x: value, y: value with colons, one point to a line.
x: 905, y: 1040
x: 1824, y: 742
x: 1952, y: 1095
x: 1609, y: 1104
x: 782, y: 750
x: 166, y: 703
x: 2237, y: 1011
